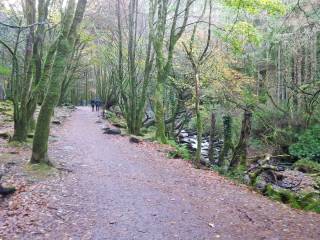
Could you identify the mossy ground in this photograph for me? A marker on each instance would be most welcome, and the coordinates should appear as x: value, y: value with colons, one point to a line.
x: 305, y: 201
x: 307, y: 166
x: 6, y: 113
x: 180, y: 151
x: 40, y: 171
x: 115, y: 120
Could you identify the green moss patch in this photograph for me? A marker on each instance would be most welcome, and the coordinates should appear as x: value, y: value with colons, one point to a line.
x: 306, y: 201
x: 307, y: 166
x: 180, y: 151
x: 40, y: 170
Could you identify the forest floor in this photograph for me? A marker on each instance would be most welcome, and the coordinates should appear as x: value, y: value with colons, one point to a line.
x: 108, y: 188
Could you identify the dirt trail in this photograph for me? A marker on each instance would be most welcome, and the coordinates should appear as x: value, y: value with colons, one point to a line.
x: 124, y: 191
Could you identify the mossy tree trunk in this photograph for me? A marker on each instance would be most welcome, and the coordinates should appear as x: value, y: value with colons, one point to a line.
x: 212, y: 138
x: 197, y: 59
x: 20, y: 110
x: 72, y: 67
x: 133, y: 94
x: 227, y: 148
x: 164, y: 63
x: 198, y: 120
x: 26, y: 105
x: 240, y: 151
x: 318, y: 55
x: 71, y: 22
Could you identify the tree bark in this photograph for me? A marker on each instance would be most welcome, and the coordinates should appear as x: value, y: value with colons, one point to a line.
x: 240, y: 152
x: 212, y: 138
x: 65, y: 44
x: 164, y: 65
x: 227, y: 141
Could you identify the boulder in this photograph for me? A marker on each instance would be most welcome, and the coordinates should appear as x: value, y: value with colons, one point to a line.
x: 57, y: 122
x: 204, y: 161
x: 113, y: 131
x: 119, y: 125
x: 30, y: 135
x: 135, y: 139
x: 4, y: 135
x: 105, y: 128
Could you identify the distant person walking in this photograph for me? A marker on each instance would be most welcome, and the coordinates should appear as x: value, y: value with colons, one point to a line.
x: 97, y: 103
x: 92, y: 104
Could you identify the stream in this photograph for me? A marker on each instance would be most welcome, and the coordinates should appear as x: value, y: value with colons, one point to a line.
x: 189, y: 139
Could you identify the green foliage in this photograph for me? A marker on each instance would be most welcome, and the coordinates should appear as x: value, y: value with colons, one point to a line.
x: 307, y: 166
x: 181, y: 151
x: 272, y: 7
x: 241, y: 34
x: 236, y: 174
x: 148, y: 133
x: 257, y: 144
x: 306, y: 201
x: 272, y: 128
x: 308, y: 145
x: 115, y: 120
x: 4, y: 70
x: 6, y: 108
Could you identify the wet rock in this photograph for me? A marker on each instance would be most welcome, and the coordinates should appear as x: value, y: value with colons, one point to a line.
x: 261, y: 185
x: 72, y: 107
x: 4, y: 135
x: 30, y: 135
x: 119, y: 125
x: 105, y: 128
x: 247, y: 179
x: 113, y: 131
x: 56, y: 122
x: 135, y: 139
x: 205, y: 161
x: 296, y: 181
x: 189, y: 138
x: 183, y: 134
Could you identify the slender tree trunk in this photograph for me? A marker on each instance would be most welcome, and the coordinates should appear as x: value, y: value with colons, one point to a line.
x: 199, y: 121
x: 240, y: 152
x: 21, y: 111
x: 64, y: 48
x: 212, y: 138
x: 163, y: 64
x: 227, y: 141
x: 33, y: 66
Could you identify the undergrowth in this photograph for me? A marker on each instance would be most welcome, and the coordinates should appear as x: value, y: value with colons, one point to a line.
x: 306, y: 201
x: 180, y: 151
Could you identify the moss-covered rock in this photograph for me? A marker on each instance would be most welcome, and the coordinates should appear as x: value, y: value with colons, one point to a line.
x: 305, y: 201
x: 307, y: 166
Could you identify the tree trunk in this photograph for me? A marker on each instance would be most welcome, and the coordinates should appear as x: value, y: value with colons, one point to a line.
x: 163, y: 64
x: 21, y: 111
x: 240, y: 152
x: 33, y: 70
x: 227, y: 141
x: 159, y: 114
x: 64, y: 48
x: 199, y: 122
x: 211, y: 151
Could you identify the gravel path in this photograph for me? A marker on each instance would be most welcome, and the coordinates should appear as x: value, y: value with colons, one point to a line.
x: 124, y: 191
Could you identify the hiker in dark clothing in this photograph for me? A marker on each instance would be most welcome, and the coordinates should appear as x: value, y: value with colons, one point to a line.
x: 97, y: 103
x: 92, y: 104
